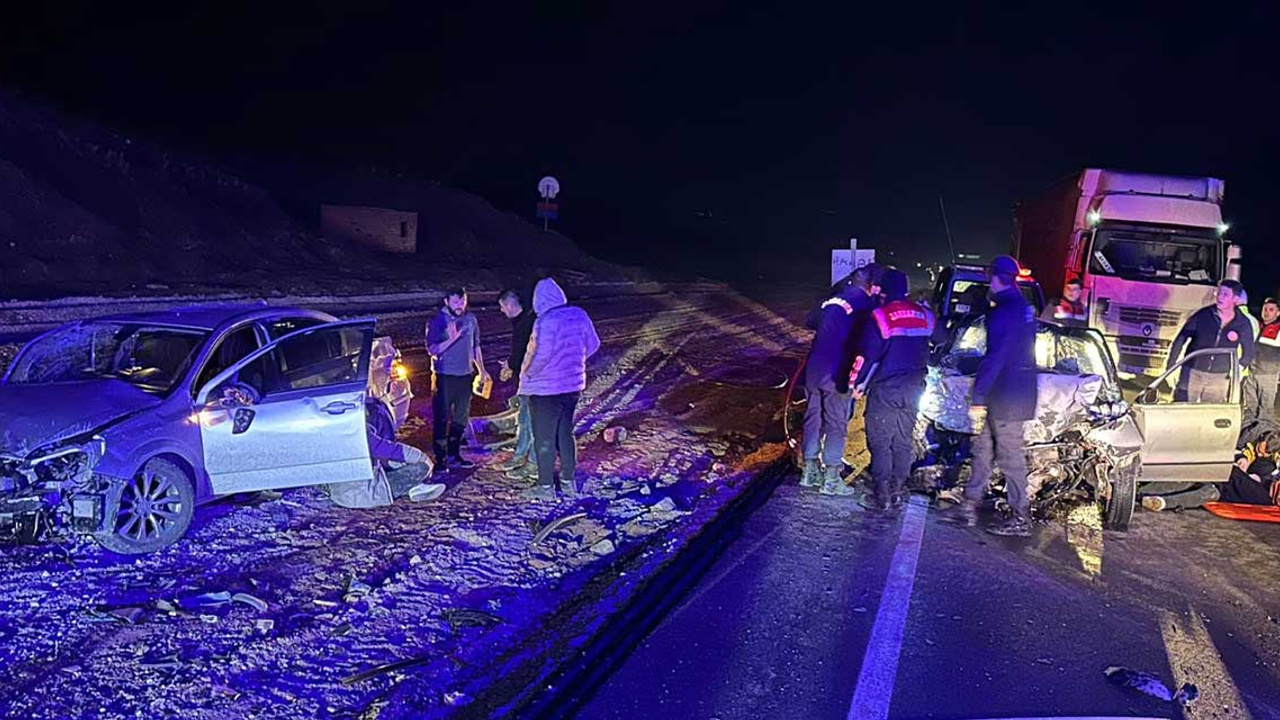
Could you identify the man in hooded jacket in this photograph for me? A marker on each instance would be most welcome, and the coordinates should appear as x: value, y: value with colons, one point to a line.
x: 553, y: 375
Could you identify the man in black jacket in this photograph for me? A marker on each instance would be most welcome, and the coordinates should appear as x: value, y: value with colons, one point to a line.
x: 1221, y: 325
x: 521, y: 465
x: 1005, y: 387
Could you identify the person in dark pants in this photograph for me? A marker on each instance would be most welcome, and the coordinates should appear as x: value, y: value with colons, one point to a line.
x: 453, y: 341
x: 553, y: 376
x: 1264, y: 374
x: 837, y: 323
x: 522, y: 464
x: 895, y: 352
x: 1005, y: 388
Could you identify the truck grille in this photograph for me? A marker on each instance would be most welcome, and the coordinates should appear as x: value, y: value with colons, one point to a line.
x: 1138, y: 315
x: 1139, y: 354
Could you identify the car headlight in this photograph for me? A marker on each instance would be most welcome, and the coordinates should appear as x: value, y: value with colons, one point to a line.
x: 72, y: 462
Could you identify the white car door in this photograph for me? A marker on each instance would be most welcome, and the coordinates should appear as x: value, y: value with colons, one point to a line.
x: 1188, y: 441
x: 291, y: 413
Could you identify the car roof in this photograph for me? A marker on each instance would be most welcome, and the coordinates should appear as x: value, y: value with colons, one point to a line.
x: 212, y: 317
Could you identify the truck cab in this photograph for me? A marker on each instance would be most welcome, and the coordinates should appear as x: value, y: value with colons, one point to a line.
x: 1148, y: 249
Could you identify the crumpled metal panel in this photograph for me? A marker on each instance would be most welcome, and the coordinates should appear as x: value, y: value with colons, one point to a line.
x: 1063, y: 401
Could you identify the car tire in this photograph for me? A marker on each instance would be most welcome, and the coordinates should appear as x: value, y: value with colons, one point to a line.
x: 152, y: 511
x: 1120, y: 503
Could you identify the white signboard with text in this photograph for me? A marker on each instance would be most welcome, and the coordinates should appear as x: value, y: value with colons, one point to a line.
x: 844, y: 262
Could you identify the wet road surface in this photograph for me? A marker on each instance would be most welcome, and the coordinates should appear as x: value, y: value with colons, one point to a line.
x: 782, y: 625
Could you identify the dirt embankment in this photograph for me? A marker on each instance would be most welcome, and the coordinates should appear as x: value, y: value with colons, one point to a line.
x: 88, y: 210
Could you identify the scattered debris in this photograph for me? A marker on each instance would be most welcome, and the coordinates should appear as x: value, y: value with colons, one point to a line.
x: 1148, y: 684
x: 466, y: 617
x: 341, y: 630
x: 604, y: 547
x: 209, y: 619
x: 209, y: 599
x: 615, y: 435
x: 251, y: 601
x: 457, y: 699
x: 264, y: 626
x: 127, y: 614
x: 160, y: 660
x: 383, y: 669
x: 555, y: 525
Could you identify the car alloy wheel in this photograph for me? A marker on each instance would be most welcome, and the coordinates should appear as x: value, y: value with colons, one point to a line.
x: 153, y: 511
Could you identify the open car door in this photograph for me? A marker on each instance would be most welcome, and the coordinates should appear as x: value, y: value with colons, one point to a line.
x: 291, y: 413
x: 1189, y: 441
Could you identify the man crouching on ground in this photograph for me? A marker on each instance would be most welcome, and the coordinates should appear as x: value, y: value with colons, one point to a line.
x: 399, y: 470
x: 553, y: 376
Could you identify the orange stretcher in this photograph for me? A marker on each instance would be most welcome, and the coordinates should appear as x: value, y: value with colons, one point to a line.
x: 1239, y: 511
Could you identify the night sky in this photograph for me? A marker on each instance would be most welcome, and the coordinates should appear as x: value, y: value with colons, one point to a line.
x: 697, y: 134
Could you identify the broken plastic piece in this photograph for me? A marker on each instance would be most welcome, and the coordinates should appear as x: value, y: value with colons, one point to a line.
x: 204, y: 600
x: 381, y: 669
x: 1148, y: 684
x: 465, y: 617
x: 251, y: 601
x: 555, y: 525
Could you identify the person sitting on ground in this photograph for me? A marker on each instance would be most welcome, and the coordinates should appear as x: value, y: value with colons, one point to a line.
x: 399, y: 470
x: 1255, y: 480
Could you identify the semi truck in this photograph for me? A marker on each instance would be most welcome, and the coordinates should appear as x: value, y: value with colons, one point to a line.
x: 1149, y: 249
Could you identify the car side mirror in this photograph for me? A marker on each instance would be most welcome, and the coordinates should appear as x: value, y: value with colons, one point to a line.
x: 237, y: 395
x: 1150, y: 396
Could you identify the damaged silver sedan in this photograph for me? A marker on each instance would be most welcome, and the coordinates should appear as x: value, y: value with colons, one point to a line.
x: 119, y: 427
x: 1086, y: 440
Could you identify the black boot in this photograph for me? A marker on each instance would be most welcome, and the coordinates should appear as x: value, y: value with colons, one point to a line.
x: 1013, y: 527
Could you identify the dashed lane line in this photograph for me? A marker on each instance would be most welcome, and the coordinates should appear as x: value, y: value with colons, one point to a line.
x: 874, y: 691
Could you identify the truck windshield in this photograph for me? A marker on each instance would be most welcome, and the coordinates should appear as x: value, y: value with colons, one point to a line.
x: 1154, y: 256
x: 152, y: 358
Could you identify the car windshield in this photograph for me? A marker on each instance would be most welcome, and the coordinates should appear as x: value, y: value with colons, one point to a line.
x: 1058, y: 350
x: 1155, y: 256
x: 153, y: 358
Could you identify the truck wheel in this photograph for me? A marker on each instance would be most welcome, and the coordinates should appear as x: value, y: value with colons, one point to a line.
x: 1119, y: 508
x: 153, y: 511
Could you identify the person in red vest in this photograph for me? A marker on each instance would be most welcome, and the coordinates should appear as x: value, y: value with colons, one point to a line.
x: 895, y: 357
x: 1069, y: 310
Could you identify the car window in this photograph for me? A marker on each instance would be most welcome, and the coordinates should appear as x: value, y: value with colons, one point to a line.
x: 152, y: 358
x: 283, y: 326
x: 316, y: 359
x: 230, y: 350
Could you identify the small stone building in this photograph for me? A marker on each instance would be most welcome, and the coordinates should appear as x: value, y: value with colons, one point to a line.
x: 389, y: 230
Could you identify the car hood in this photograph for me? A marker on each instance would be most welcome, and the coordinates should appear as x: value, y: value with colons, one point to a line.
x: 1062, y: 401
x: 32, y: 416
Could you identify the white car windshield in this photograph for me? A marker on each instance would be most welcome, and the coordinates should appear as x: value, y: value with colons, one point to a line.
x: 1058, y: 350
x: 153, y: 358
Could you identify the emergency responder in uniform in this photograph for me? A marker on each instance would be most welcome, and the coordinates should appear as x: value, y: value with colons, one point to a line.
x: 837, y: 323
x: 1069, y: 310
x: 1264, y: 374
x: 1005, y: 388
x: 895, y: 357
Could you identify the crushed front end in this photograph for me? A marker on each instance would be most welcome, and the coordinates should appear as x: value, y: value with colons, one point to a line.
x: 53, y: 491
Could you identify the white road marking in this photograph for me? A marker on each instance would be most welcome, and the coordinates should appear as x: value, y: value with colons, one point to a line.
x: 1194, y: 658
x: 874, y: 691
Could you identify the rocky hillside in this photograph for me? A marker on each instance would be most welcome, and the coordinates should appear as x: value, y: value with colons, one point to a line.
x: 84, y: 209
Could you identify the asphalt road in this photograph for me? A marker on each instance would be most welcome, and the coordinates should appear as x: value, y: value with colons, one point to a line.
x: 806, y: 614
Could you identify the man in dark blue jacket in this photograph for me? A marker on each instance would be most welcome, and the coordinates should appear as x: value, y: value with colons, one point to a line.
x: 837, y: 323
x: 1005, y: 387
x: 1221, y: 325
x: 895, y: 358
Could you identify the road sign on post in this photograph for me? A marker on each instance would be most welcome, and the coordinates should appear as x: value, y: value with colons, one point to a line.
x: 844, y: 262
x: 548, y: 189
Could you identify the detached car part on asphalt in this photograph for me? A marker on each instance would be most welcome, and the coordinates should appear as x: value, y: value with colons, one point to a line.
x: 119, y: 427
